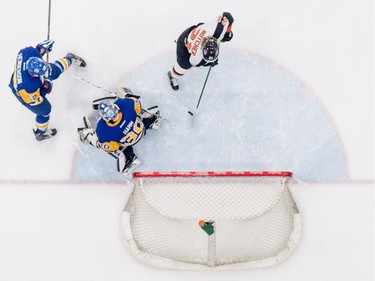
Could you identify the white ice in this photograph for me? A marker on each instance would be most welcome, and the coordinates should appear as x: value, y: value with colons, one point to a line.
x: 293, y: 91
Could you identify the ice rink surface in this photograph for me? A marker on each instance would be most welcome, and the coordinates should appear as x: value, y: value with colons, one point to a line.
x: 293, y: 91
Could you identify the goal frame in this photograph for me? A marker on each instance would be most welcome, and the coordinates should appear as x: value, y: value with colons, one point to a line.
x: 162, y: 262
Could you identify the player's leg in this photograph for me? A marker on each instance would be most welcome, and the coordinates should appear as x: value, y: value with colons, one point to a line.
x: 126, y: 159
x: 182, y: 64
x: 42, y: 112
x: 62, y: 64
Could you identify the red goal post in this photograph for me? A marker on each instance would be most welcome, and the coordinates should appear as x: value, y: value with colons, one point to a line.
x: 211, y: 220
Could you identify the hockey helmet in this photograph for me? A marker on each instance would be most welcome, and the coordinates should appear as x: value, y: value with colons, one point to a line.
x: 210, y: 49
x: 36, y: 66
x: 108, y: 110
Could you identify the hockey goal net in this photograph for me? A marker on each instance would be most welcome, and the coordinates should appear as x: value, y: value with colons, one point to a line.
x: 211, y: 220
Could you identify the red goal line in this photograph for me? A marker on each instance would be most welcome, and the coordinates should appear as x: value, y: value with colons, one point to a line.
x: 213, y: 174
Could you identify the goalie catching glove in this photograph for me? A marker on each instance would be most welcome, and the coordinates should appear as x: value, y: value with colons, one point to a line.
x: 87, y: 135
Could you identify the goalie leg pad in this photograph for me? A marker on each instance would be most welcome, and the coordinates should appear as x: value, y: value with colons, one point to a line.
x: 126, y: 160
x: 121, y: 159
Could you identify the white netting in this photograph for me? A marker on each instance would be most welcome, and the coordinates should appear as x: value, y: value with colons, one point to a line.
x: 255, y: 219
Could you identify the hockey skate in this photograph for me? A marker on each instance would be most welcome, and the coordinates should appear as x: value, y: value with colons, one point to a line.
x: 173, y: 81
x: 76, y: 60
x: 153, y: 113
x: 131, y: 164
x: 46, y: 135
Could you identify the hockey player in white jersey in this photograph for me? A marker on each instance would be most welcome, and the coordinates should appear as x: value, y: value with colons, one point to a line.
x: 199, y: 46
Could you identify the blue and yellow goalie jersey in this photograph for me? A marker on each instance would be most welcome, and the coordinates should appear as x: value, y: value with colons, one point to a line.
x: 126, y: 131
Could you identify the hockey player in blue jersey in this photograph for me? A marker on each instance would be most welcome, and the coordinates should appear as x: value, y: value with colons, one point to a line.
x: 123, y: 124
x: 32, y: 80
x: 199, y: 46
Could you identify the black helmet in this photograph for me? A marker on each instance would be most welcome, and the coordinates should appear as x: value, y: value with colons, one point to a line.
x: 210, y: 49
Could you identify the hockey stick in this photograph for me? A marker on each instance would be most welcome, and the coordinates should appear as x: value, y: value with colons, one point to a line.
x: 49, y: 25
x: 86, y: 123
x: 200, y: 97
x: 129, y: 94
x: 92, y: 84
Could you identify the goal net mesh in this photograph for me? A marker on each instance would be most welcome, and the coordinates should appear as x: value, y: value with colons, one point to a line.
x: 211, y: 220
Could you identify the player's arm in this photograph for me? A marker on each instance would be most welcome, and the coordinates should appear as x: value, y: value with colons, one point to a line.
x: 87, y: 135
x: 228, y: 34
x: 109, y: 146
x: 230, y: 19
x: 223, y: 30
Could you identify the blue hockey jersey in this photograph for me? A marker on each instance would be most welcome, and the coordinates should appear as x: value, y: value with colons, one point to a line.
x: 22, y: 83
x: 126, y: 131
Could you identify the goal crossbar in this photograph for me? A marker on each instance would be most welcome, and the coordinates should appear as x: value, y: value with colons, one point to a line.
x: 213, y: 174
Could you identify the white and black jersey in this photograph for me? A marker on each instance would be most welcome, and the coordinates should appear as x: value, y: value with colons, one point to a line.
x: 189, y: 44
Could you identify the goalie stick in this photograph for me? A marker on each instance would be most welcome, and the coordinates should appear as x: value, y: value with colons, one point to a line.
x: 96, y: 102
x: 86, y: 123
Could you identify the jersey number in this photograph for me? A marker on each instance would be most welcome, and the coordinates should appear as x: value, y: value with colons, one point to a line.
x: 133, y: 136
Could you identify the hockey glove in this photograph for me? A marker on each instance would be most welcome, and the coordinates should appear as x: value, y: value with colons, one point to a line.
x: 45, y: 46
x: 88, y: 136
x: 227, y: 37
x: 213, y: 63
x: 46, y: 87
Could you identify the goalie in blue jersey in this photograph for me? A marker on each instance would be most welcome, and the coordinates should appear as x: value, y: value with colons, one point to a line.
x: 32, y: 80
x: 123, y: 124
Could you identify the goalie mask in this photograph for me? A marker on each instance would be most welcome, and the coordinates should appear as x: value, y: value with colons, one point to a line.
x: 210, y: 49
x: 108, y: 111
